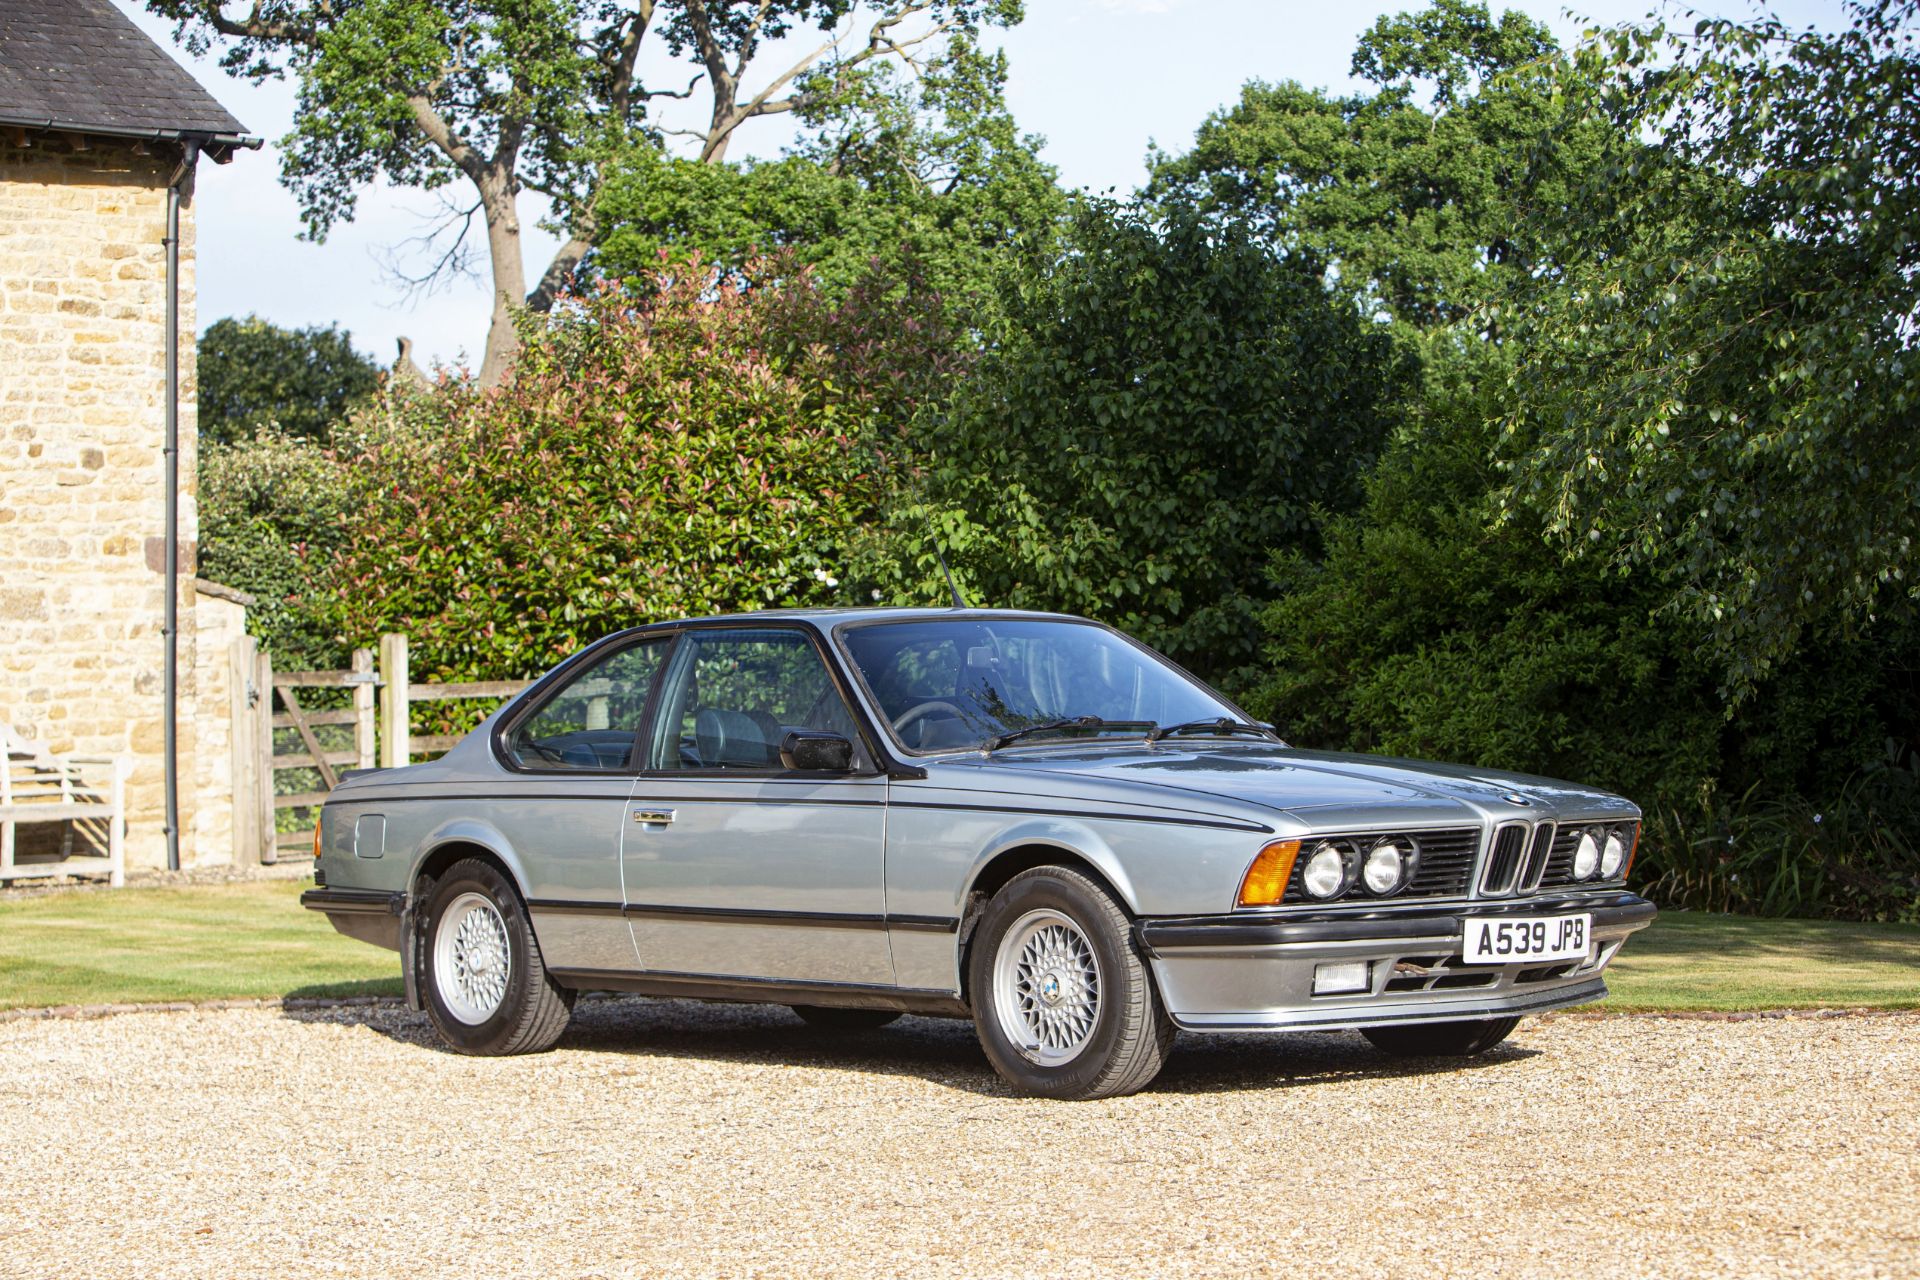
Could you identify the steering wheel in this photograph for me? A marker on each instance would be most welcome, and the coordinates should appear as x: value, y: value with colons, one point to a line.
x: 544, y: 751
x: 920, y: 711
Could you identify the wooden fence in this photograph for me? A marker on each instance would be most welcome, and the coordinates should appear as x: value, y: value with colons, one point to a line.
x: 292, y: 744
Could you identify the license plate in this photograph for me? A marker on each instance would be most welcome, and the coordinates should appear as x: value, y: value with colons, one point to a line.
x: 1517, y: 939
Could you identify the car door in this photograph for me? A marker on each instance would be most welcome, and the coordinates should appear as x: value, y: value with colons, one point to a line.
x: 571, y: 760
x: 735, y: 866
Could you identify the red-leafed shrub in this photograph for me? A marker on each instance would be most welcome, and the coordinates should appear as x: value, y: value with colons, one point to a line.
x: 706, y: 446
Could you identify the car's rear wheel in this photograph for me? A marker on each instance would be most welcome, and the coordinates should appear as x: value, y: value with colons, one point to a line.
x: 488, y: 991
x: 831, y: 1019
x: 1441, y: 1039
x: 1064, y: 1006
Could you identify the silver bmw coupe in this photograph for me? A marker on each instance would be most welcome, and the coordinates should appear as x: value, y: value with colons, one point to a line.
x: 1026, y: 819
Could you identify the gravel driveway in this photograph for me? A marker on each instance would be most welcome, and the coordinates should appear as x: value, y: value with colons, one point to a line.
x: 674, y: 1139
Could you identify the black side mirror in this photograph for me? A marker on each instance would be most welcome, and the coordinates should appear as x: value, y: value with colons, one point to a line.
x: 806, y: 751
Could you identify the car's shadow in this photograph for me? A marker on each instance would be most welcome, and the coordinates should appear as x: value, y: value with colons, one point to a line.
x: 943, y: 1051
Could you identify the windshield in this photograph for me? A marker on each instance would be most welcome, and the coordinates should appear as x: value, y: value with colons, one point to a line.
x: 947, y: 684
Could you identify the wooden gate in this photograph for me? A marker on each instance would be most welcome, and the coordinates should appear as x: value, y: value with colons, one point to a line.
x: 310, y: 727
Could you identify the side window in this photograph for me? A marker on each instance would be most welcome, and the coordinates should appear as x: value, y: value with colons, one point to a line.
x: 592, y: 722
x: 733, y: 696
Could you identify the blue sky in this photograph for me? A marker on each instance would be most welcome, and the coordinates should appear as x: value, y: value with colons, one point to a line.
x: 1099, y: 79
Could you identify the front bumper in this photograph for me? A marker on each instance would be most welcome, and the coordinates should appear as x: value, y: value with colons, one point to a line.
x: 1254, y: 971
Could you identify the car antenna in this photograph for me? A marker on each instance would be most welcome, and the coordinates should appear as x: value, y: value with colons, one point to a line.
x: 959, y: 602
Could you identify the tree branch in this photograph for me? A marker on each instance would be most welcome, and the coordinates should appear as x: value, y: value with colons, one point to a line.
x: 564, y: 263
x: 441, y: 134
x: 253, y: 27
x: 455, y: 260
x: 747, y: 43
x: 709, y: 48
x: 761, y: 104
x: 687, y: 92
x: 620, y: 87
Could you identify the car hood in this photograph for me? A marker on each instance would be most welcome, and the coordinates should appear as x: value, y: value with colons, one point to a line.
x: 1277, y: 777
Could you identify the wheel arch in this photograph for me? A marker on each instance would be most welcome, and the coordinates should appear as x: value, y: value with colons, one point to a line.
x: 466, y: 839
x: 1041, y: 842
x: 994, y: 874
x: 1089, y: 857
x: 443, y: 850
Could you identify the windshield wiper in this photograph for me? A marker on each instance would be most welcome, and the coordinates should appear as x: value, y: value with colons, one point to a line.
x: 1046, y: 726
x: 1220, y: 725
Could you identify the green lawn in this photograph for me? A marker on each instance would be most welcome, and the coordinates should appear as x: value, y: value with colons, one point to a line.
x: 193, y: 943
x: 1685, y: 960
x: 254, y: 940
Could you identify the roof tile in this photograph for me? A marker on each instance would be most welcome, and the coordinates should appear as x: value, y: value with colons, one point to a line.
x: 82, y: 64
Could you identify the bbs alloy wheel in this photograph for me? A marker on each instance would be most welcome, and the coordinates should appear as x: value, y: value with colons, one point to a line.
x: 1064, y: 1006
x: 1046, y: 988
x: 487, y: 988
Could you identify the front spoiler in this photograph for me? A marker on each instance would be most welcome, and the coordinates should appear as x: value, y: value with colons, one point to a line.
x: 1380, y: 1012
x: 1612, y: 912
x: 1255, y: 971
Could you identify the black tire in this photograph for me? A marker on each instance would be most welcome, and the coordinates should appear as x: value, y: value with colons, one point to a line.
x: 1131, y: 1034
x: 831, y: 1019
x: 533, y: 1010
x: 1441, y: 1039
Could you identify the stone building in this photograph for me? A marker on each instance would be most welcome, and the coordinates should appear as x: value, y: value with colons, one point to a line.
x: 96, y: 121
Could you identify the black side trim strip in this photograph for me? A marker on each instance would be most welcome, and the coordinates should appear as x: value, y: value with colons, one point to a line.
x: 1222, y: 824
x: 825, y: 919
x: 925, y: 924
x: 370, y: 902
x: 572, y: 907
x: 700, y: 986
x: 828, y: 919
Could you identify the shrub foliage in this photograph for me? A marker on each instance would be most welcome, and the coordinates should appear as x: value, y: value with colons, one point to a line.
x: 1157, y: 408
x: 690, y: 450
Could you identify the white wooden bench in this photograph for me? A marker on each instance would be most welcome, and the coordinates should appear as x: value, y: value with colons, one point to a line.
x: 39, y: 787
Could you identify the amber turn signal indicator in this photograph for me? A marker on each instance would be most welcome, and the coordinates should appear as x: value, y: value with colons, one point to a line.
x: 316, y: 837
x: 1266, y: 880
x: 1632, y: 850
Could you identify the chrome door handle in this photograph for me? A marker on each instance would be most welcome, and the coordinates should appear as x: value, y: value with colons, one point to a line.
x: 653, y: 816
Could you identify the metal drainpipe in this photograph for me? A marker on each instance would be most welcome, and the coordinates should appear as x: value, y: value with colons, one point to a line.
x: 170, y: 628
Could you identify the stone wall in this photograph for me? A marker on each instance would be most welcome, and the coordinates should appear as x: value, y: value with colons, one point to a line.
x: 219, y: 691
x: 82, y: 493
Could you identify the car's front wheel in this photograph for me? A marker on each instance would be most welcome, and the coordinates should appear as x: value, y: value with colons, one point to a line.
x: 1064, y: 1006
x: 1441, y: 1039
x: 488, y: 991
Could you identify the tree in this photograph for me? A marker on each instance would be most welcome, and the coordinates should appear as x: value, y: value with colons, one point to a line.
x: 1403, y: 192
x: 687, y: 448
x: 255, y: 376
x: 1429, y: 629
x: 1719, y: 381
x: 929, y: 167
x: 1421, y: 633
x: 1160, y: 403
x: 537, y: 95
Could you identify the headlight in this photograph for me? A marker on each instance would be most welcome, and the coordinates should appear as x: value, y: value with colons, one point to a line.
x: 1329, y: 870
x: 1586, y: 856
x: 1388, y: 866
x: 1613, y: 856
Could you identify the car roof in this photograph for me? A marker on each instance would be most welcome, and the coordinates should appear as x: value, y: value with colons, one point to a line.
x: 828, y: 618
